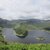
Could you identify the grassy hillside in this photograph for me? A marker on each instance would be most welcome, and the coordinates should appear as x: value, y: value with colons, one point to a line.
x: 31, y: 26
x: 1, y: 39
x: 2, y: 42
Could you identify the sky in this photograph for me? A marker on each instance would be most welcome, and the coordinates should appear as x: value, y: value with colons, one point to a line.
x: 24, y: 9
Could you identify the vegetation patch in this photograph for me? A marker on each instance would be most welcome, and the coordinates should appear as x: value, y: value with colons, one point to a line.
x: 47, y: 28
x: 2, y: 42
x: 21, y: 31
x: 25, y: 47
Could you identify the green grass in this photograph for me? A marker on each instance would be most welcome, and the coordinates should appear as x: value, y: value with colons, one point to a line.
x: 25, y: 47
x: 2, y: 42
x: 1, y: 39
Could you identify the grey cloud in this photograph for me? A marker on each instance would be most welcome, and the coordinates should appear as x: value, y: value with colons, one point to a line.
x: 2, y: 9
x: 14, y: 9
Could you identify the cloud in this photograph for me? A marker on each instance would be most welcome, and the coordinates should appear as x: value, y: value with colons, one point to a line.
x: 15, y: 9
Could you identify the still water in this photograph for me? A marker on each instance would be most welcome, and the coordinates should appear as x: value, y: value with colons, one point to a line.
x: 10, y: 36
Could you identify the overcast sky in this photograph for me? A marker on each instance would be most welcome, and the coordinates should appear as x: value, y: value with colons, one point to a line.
x: 15, y: 9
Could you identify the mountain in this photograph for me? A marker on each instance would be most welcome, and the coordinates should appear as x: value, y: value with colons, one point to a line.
x: 31, y: 23
x: 36, y: 22
x: 26, y: 21
x: 4, y: 23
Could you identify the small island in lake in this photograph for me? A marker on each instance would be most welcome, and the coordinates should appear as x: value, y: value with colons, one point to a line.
x: 21, y: 31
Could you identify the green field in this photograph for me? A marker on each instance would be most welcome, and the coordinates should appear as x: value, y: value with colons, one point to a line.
x: 25, y: 47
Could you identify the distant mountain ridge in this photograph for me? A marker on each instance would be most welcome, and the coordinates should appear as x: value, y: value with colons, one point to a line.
x: 4, y: 22
x: 7, y: 23
x: 27, y: 21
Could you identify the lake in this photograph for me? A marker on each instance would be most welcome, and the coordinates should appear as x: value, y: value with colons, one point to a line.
x: 32, y: 37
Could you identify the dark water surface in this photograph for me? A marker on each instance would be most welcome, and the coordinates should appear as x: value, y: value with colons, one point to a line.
x: 10, y: 36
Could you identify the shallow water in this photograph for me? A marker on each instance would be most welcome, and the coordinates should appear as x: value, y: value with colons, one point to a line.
x: 10, y: 36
